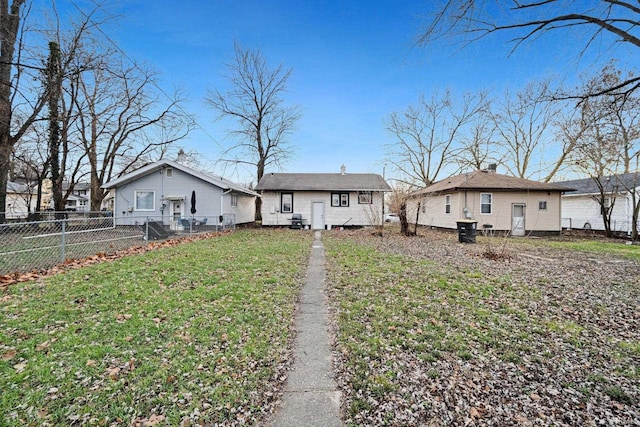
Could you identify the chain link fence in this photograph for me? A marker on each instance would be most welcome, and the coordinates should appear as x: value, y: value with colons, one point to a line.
x: 36, y: 245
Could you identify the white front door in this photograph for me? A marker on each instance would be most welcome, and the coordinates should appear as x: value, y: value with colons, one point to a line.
x: 317, y: 216
x: 517, y: 219
x: 176, y: 212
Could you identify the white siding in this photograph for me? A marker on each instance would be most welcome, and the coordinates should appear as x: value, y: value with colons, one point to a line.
x: 17, y: 204
x: 355, y: 214
x: 580, y: 210
x: 210, y: 202
x: 245, y: 211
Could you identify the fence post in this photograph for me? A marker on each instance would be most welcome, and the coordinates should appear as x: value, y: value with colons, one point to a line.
x: 63, y: 241
x: 146, y: 231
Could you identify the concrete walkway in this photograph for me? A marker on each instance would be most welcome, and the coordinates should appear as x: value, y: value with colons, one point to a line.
x: 311, y: 395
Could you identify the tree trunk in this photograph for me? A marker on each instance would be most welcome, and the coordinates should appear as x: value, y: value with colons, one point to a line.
x: 5, y: 157
x: 92, y: 155
x: 260, y: 173
x: 404, y: 223
x: 53, y: 85
x: 9, y: 23
x: 415, y: 228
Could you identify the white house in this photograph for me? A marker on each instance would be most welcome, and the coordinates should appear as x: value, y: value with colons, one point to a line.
x: 80, y: 198
x: 581, y: 209
x: 496, y: 202
x: 19, y: 199
x: 171, y: 192
x: 324, y: 200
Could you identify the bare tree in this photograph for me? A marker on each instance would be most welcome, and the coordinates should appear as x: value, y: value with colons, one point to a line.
x: 478, y: 147
x: 11, y: 73
x: 607, y: 139
x: 256, y: 103
x: 113, y: 116
x: 66, y: 157
x: 397, y: 201
x: 121, y: 121
x: 523, y: 131
x: 425, y: 136
x: 529, y: 20
x: 31, y: 164
x: 425, y: 143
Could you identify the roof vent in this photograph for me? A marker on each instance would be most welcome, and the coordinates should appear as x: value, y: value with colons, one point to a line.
x: 343, y: 170
x: 492, y: 167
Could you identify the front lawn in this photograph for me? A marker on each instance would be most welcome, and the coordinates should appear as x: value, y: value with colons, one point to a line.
x: 198, y: 332
x: 432, y: 332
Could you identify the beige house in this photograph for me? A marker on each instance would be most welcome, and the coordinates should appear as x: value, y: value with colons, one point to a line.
x: 323, y: 200
x: 497, y: 202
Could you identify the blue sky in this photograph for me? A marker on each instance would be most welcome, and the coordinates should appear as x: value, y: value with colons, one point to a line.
x: 354, y: 62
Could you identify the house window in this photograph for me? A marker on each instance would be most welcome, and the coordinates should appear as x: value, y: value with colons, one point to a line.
x: 364, y: 198
x: 542, y: 205
x: 485, y: 203
x: 340, y: 199
x: 447, y: 204
x: 145, y: 200
x: 286, y: 203
x: 234, y: 200
x: 169, y: 172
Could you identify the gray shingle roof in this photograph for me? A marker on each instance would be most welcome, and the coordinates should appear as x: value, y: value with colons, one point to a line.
x: 152, y: 167
x: 484, y: 180
x: 625, y: 181
x: 322, y: 182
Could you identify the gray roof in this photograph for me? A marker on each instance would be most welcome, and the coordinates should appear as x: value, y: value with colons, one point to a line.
x: 486, y: 180
x: 623, y: 182
x: 17, y: 187
x: 78, y: 186
x: 153, y: 167
x: 322, y: 182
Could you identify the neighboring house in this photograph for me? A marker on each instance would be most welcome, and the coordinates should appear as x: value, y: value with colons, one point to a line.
x: 163, y: 191
x: 20, y: 198
x: 582, y: 209
x: 80, y: 198
x: 324, y: 200
x: 497, y: 202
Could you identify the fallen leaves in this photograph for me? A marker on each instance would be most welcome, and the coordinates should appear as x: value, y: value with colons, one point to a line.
x: 540, y: 336
x: 130, y: 351
x: 115, y: 372
x: 9, y: 354
x: 7, y: 280
x: 152, y: 421
x: 44, y: 346
x: 121, y: 318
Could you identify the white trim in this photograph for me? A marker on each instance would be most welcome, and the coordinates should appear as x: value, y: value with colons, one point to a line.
x: 490, y: 204
x: 135, y: 200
